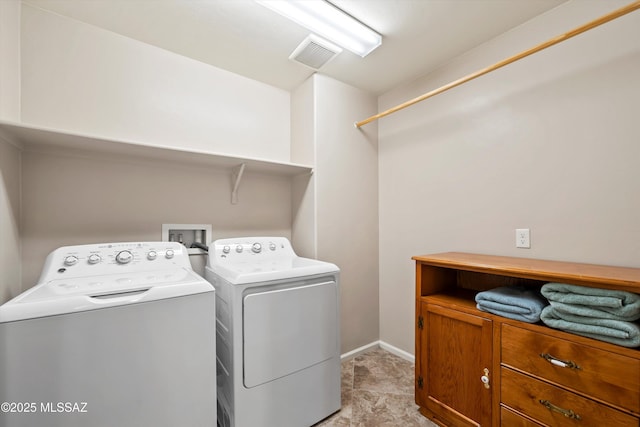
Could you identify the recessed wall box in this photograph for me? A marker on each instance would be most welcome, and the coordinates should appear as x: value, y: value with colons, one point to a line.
x: 190, y: 235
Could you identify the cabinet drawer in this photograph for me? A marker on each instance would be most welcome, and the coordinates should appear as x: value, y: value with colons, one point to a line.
x: 509, y: 418
x: 552, y: 405
x: 610, y: 377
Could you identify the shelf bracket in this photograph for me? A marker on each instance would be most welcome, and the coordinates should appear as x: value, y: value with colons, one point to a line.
x: 236, y: 177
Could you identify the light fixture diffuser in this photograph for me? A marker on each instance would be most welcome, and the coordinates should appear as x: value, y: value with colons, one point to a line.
x: 329, y: 22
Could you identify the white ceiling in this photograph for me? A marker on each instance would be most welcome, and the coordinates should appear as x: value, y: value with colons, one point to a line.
x: 248, y: 39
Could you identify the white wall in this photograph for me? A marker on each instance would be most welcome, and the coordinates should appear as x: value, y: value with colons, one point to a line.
x: 303, y: 147
x: 10, y: 60
x: 75, y: 200
x: 84, y: 79
x: 10, y: 270
x: 88, y: 80
x: 549, y: 143
x: 346, y: 176
x: 10, y: 247
x: 336, y: 209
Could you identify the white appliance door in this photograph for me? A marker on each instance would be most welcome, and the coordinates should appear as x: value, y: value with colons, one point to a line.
x: 287, y: 330
x: 138, y: 365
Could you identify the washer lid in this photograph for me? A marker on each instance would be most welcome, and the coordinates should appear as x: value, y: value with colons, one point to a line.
x: 75, y: 294
x: 252, y: 271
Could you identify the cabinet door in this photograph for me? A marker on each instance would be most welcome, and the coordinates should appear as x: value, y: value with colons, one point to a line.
x: 456, y: 348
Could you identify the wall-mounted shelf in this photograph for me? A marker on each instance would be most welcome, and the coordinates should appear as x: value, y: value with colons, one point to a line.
x: 41, y: 139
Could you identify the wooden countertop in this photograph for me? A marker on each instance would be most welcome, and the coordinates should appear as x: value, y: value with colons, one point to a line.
x: 593, y: 275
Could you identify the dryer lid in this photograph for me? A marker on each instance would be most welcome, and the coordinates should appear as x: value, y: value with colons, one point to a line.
x: 239, y: 273
x: 261, y: 259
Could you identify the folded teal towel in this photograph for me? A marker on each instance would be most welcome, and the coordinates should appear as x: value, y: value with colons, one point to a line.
x: 593, y: 302
x: 519, y: 303
x: 618, y: 332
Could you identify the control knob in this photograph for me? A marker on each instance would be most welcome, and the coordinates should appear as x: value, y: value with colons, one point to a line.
x: 124, y: 257
x: 239, y: 249
x: 256, y: 248
x: 151, y: 255
x: 94, y: 259
x: 226, y: 249
x: 272, y: 246
x: 169, y: 254
x: 70, y: 260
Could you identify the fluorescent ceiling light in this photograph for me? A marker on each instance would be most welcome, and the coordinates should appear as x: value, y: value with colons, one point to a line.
x: 329, y: 22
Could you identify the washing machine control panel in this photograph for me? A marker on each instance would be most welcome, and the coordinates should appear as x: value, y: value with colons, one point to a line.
x: 111, y: 258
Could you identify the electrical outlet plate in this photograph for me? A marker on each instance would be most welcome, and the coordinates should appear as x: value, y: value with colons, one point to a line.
x: 523, y: 238
x: 187, y: 234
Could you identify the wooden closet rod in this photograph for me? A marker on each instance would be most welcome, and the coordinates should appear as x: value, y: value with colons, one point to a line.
x: 586, y: 27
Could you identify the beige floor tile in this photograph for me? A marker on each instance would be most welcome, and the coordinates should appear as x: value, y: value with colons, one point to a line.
x: 377, y: 391
x: 374, y: 409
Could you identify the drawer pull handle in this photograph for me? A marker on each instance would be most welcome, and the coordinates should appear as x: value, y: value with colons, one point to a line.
x: 562, y: 363
x: 566, y: 412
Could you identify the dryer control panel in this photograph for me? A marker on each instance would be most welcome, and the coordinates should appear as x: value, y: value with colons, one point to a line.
x: 245, y: 249
x: 111, y: 258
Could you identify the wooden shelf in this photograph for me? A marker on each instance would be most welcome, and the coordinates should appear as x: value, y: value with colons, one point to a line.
x: 454, y: 297
x: 40, y: 139
x: 593, y: 275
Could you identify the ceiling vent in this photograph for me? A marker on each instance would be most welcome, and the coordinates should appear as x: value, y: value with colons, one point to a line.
x: 314, y: 52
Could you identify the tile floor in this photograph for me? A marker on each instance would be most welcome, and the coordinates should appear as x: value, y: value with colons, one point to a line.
x: 377, y: 391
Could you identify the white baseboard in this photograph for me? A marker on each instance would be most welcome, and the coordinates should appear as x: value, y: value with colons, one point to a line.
x: 360, y: 350
x: 398, y: 352
x: 378, y: 344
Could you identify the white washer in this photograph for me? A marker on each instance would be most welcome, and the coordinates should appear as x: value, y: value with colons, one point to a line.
x: 118, y: 334
x: 278, y: 331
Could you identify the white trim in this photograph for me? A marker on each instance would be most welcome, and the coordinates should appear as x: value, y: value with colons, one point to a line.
x: 360, y: 350
x: 398, y: 352
x: 378, y: 344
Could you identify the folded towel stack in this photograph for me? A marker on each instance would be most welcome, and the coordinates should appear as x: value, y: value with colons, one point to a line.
x: 603, y: 314
x: 514, y: 302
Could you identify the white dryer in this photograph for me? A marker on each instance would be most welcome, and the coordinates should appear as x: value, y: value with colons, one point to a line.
x: 278, y: 334
x: 116, y: 334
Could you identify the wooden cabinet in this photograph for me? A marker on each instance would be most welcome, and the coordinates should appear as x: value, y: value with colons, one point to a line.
x: 456, y: 351
x: 477, y: 369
